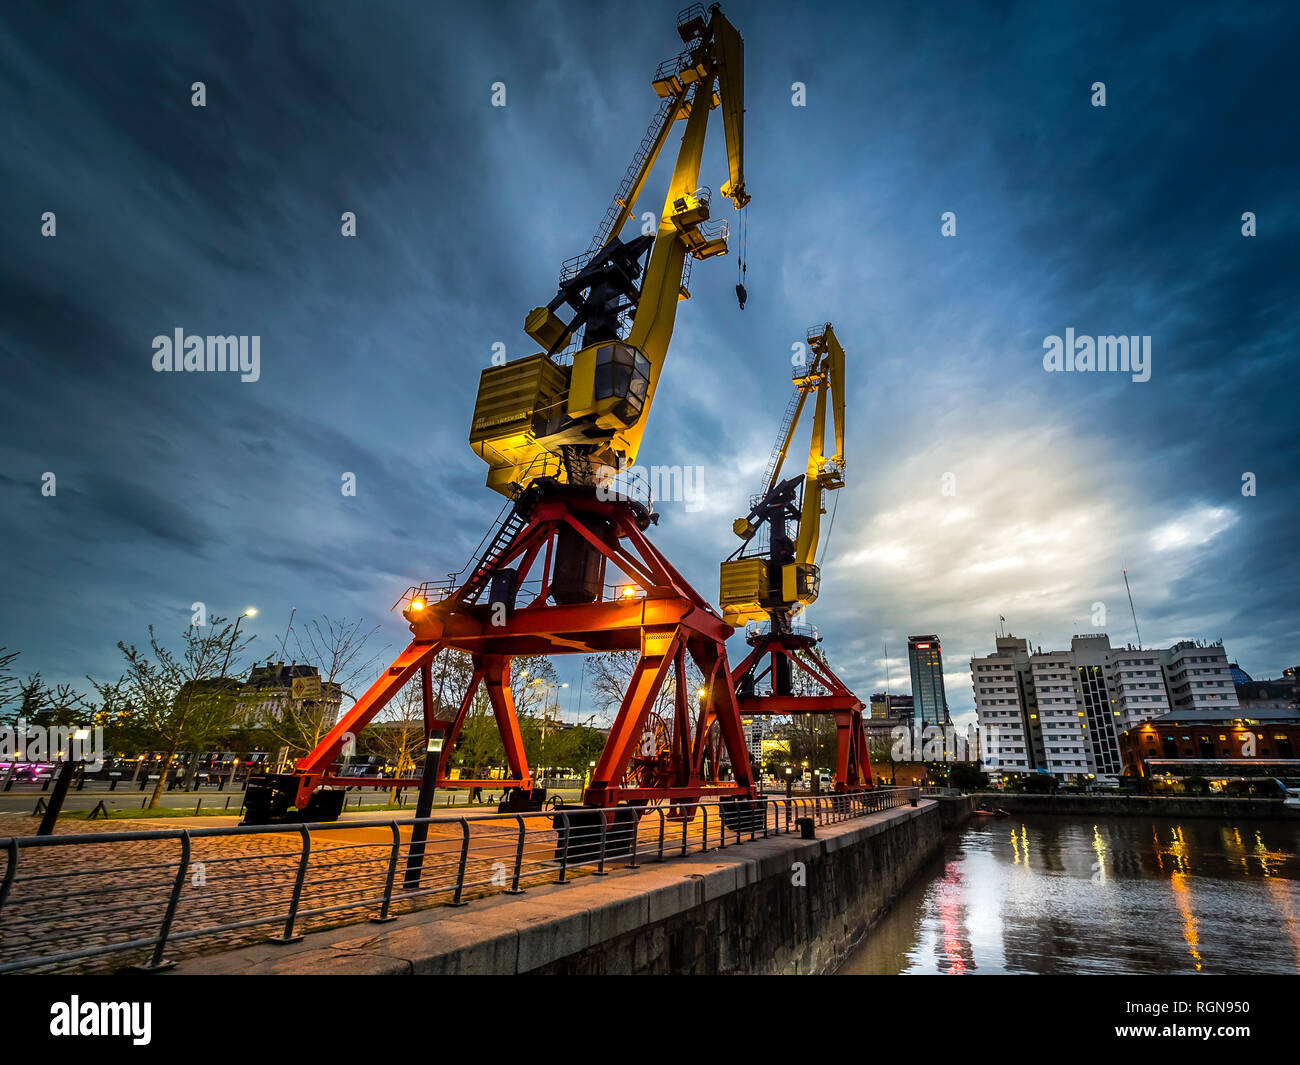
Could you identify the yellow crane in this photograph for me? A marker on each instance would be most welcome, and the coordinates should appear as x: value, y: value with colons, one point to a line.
x: 773, y: 575
x: 581, y: 403
x: 776, y: 576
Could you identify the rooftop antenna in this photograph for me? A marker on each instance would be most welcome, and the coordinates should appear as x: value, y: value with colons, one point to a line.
x: 887, y: 680
x: 287, y: 630
x: 1130, y: 608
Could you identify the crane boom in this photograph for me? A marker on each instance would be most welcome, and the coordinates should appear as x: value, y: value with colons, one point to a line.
x: 784, y: 673
x: 778, y: 582
x: 616, y: 307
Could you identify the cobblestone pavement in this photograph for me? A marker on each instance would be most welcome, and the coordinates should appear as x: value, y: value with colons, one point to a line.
x: 69, y: 899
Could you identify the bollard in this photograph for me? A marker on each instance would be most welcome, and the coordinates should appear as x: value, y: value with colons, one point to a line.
x: 807, y: 827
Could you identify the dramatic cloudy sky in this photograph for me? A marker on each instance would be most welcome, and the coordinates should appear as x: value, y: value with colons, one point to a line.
x: 1127, y: 219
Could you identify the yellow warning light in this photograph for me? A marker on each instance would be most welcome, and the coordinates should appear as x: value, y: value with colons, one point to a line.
x: 417, y: 604
x: 628, y: 592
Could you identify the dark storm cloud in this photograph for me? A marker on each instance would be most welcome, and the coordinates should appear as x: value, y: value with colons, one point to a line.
x: 177, y: 488
x: 143, y: 513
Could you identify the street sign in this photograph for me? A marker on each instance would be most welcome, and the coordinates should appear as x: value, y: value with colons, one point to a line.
x: 306, y: 688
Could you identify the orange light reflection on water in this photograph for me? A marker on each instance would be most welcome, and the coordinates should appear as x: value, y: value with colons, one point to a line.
x: 948, y: 904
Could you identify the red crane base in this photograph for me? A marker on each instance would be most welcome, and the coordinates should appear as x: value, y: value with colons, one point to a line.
x: 652, y: 610
x: 786, y: 652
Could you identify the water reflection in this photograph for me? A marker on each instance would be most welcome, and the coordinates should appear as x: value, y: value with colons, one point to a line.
x: 1051, y: 895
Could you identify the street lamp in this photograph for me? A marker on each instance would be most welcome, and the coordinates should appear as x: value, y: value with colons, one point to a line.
x: 250, y: 612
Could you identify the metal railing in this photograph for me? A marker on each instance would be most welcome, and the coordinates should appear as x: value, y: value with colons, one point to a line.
x: 105, y: 901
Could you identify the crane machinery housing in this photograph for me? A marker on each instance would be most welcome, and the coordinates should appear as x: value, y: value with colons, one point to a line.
x: 568, y: 568
x: 773, y: 576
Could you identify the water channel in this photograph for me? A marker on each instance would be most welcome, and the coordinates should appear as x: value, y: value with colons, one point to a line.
x: 1122, y: 895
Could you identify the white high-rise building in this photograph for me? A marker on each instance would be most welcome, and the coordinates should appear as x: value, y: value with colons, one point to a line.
x: 1061, y: 712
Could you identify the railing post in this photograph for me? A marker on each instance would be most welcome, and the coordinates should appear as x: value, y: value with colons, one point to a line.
x: 156, y: 964
x: 604, y: 832
x: 662, y: 824
x: 382, y: 916
x: 564, y: 851
x: 704, y: 810
x: 636, y: 821
x: 287, y: 936
x: 464, y: 860
x: 11, y: 870
x: 514, y: 888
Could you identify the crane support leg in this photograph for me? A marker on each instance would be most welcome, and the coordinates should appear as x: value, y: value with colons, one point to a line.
x: 778, y: 654
x: 582, y: 543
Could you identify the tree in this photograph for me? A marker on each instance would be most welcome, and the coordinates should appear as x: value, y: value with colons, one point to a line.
x: 179, y: 700
x: 397, y: 732
x: 611, y: 675
x: 8, y: 682
x: 1038, y: 783
x: 968, y: 776
x: 532, y: 687
x: 339, y: 651
x: 41, y: 706
x: 881, y: 751
x: 50, y: 713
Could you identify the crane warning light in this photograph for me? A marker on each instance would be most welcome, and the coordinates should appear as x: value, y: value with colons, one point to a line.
x: 417, y: 604
x: 628, y: 592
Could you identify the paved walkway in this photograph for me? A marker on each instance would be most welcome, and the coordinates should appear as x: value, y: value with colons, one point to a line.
x: 96, y: 894
x: 516, y: 934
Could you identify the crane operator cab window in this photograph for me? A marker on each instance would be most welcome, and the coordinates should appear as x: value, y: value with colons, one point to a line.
x: 622, y: 373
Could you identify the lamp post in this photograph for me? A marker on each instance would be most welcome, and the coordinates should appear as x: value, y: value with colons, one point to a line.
x: 250, y: 612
